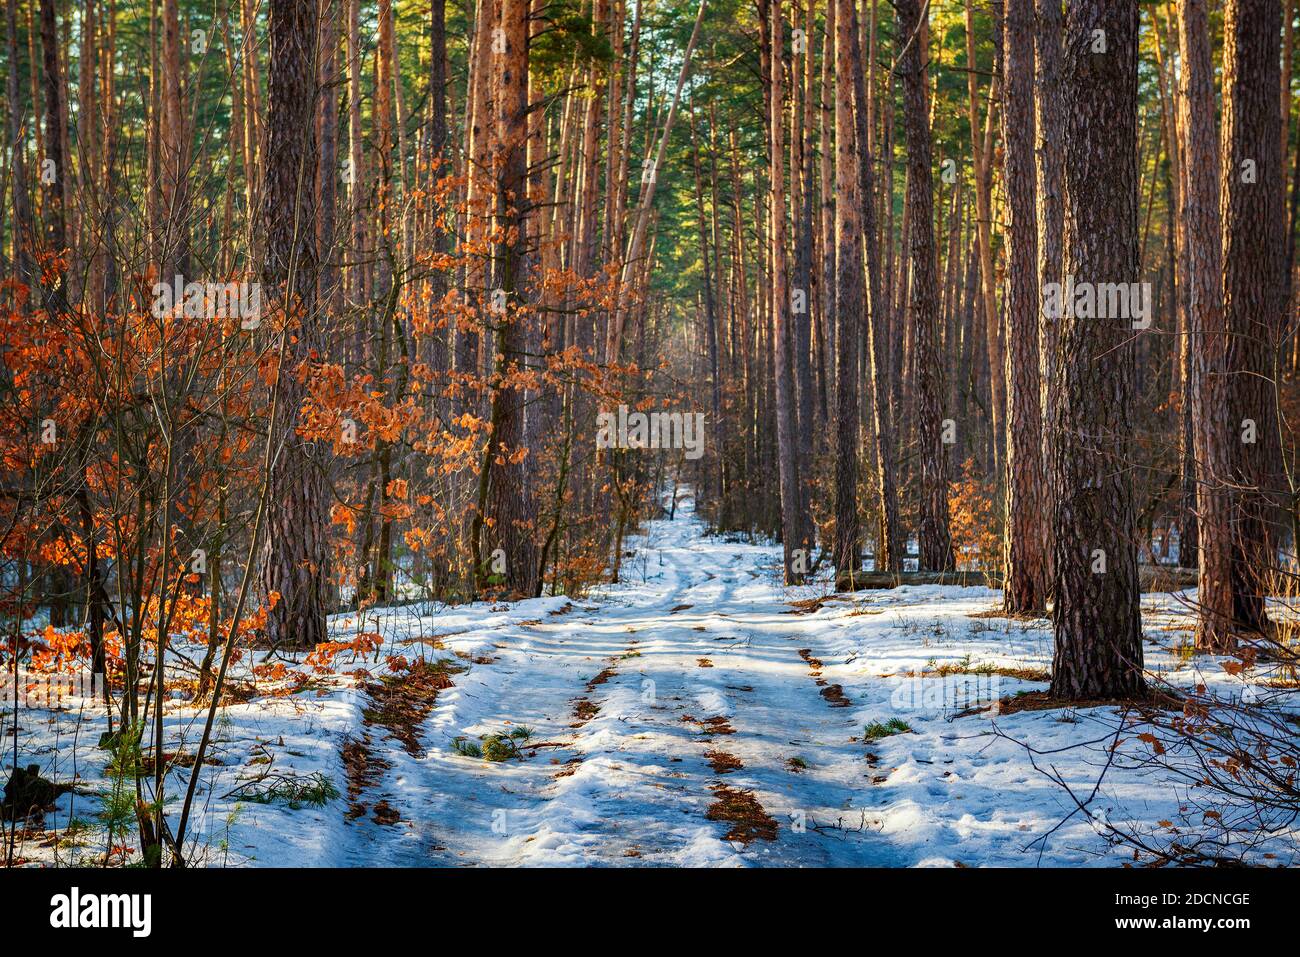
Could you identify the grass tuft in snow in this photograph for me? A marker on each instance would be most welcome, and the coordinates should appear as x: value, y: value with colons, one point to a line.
x: 875, y: 731
x: 294, y: 791
x: 466, y: 748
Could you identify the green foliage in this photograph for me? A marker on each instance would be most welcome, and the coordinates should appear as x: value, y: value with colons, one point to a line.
x: 467, y: 748
x: 568, y: 35
x: 875, y: 731
x: 497, y: 747
x: 294, y: 791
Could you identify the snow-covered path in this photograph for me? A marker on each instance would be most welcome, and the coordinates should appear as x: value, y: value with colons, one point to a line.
x: 645, y: 694
x: 700, y: 657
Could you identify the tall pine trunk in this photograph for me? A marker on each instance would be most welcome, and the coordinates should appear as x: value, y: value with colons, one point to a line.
x: 1025, y: 590
x: 1206, y: 333
x: 889, y: 538
x: 1096, y: 618
x: 935, y: 541
x: 1254, y: 291
x: 297, y: 557
x: 848, y: 296
x: 1049, y: 117
x: 792, y: 520
x: 506, y: 500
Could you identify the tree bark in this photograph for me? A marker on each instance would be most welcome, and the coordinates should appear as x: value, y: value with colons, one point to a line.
x: 1206, y: 332
x: 508, y: 506
x: 792, y: 521
x: 22, y: 204
x: 327, y: 119
x: 173, y: 149
x: 1096, y: 619
x: 715, y: 474
x: 889, y: 538
x: 935, y: 541
x: 981, y: 148
x: 53, y: 209
x: 1026, y: 540
x: 1254, y: 292
x: 297, y: 557
x: 848, y: 297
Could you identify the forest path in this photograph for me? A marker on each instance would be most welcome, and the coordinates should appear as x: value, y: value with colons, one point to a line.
x: 642, y: 703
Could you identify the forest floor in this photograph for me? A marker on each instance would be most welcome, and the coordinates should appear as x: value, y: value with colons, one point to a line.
x: 698, y: 713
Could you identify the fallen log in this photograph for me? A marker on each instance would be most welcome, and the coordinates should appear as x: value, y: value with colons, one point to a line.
x: 863, y: 581
x: 1166, y: 577
x: 1151, y: 578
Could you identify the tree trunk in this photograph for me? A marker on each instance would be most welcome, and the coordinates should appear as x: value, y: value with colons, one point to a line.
x: 1254, y: 294
x: 801, y: 211
x: 327, y: 119
x: 297, y: 558
x: 793, y: 521
x: 1207, y: 335
x: 715, y: 478
x: 173, y: 149
x: 983, y: 162
x: 1026, y: 539
x: 356, y: 178
x: 889, y: 538
x: 936, y: 544
x: 508, y: 503
x: 1096, y: 618
x: 848, y: 298
x: 53, y: 208
x: 22, y: 226
x: 1049, y: 117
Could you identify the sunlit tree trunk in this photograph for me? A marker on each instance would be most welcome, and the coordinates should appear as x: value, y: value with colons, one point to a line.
x: 54, y: 207
x: 22, y: 208
x: 792, y: 521
x: 1049, y: 115
x: 935, y: 542
x: 1096, y: 619
x: 849, y: 293
x: 506, y: 503
x: 1254, y: 292
x: 296, y: 561
x: 1025, y: 590
x: 889, y: 536
x: 173, y: 149
x: 1207, y: 335
x: 981, y: 144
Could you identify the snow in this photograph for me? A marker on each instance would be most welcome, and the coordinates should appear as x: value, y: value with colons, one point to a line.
x: 632, y: 785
